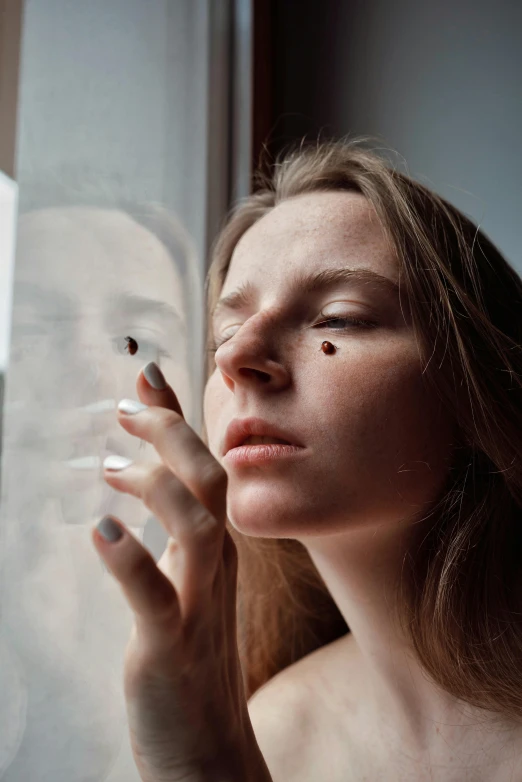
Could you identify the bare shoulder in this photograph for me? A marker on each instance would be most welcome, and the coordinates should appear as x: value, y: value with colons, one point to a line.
x: 285, y: 713
x: 279, y: 715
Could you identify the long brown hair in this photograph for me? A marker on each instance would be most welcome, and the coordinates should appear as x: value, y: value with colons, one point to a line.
x: 461, y: 600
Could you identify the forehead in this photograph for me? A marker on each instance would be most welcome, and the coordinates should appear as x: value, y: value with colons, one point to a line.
x: 72, y: 242
x: 84, y: 228
x: 330, y: 229
x: 93, y: 256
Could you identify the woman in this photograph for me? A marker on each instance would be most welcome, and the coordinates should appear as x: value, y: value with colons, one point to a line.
x: 373, y: 327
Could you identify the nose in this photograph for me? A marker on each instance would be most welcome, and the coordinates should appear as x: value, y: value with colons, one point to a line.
x: 85, y: 374
x: 250, y: 356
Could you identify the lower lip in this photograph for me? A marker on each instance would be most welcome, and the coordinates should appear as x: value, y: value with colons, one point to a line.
x: 264, y: 452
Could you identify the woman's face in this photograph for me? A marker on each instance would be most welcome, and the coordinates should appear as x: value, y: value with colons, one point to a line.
x: 85, y: 279
x: 377, y: 443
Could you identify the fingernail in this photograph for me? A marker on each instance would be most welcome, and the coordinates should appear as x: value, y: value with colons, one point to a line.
x: 114, y: 462
x: 109, y: 530
x: 154, y: 376
x: 131, y: 406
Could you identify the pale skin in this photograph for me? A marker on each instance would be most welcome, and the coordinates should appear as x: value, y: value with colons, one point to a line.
x: 187, y: 712
x: 378, y: 450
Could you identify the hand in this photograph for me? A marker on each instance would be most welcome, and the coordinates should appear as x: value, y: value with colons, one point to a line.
x: 188, y: 715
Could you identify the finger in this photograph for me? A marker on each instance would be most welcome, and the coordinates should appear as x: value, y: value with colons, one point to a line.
x: 196, y: 558
x: 153, y: 389
x: 149, y: 592
x: 183, y: 452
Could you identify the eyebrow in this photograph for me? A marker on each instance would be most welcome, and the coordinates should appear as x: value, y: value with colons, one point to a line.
x: 135, y: 304
x: 310, y: 282
x: 124, y: 302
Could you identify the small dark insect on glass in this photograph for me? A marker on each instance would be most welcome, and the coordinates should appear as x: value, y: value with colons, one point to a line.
x: 132, y: 345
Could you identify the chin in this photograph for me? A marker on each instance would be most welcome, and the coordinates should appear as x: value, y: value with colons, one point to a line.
x: 259, y: 525
x: 260, y: 531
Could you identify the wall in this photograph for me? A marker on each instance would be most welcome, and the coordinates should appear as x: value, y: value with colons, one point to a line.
x: 438, y: 82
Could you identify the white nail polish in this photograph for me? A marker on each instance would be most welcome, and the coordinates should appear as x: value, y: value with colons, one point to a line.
x: 131, y: 407
x: 115, y: 462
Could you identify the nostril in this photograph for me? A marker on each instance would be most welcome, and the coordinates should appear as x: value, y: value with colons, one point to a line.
x: 263, y: 376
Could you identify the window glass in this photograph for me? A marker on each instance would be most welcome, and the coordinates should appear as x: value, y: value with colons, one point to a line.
x: 110, y: 243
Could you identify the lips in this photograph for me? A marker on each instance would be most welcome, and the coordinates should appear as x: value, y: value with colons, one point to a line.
x: 257, y: 439
x: 240, y: 428
x: 88, y: 455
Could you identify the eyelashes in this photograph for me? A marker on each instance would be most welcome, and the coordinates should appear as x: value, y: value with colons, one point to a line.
x: 215, y: 344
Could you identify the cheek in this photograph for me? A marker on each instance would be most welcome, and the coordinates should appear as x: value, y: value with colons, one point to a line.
x: 378, y: 408
x: 384, y: 430
x: 211, y: 407
x: 209, y: 396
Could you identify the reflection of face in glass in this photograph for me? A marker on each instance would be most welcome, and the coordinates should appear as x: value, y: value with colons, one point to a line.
x: 85, y: 279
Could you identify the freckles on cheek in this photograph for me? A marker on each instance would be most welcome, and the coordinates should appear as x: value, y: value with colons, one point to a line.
x: 370, y: 395
x: 394, y: 369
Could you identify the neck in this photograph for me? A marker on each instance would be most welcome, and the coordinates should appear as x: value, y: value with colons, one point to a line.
x: 362, y: 570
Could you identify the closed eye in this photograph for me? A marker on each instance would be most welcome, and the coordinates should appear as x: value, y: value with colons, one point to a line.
x: 353, y: 321
x: 348, y: 320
